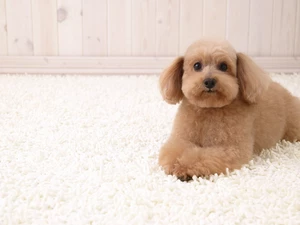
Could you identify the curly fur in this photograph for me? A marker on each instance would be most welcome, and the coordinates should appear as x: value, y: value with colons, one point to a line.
x: 244, y: 113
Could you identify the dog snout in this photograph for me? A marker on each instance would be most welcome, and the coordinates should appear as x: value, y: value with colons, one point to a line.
x: 209, y: 83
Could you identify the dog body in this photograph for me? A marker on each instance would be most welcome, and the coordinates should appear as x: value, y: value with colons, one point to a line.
x: 229, y: 109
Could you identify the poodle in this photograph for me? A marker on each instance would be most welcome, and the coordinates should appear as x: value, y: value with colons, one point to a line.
x: 229, y: 110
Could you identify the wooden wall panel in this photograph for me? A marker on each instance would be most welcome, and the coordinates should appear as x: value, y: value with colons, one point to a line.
x: 190, y: 13
x: 94, y: 27
x: 119, y: 27
x: 19, y: 27
x: 214, y: 18
x: 238, y: 23
x: 69, y: 17
x: 167, y: 27
x: 143, y: 27
x: 283, y: 29
x: 3, y: 28
x: 260, y: 27
x: 146, y: 27
x: 44, y: 19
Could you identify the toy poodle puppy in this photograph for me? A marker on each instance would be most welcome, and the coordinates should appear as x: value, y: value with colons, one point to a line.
x: 229, y: 110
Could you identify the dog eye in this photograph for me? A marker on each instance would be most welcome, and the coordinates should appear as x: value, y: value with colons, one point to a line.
x: 223, y: 67
x: 197, y: 66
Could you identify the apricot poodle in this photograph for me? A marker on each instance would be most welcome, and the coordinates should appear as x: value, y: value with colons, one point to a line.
x: 229, y: 110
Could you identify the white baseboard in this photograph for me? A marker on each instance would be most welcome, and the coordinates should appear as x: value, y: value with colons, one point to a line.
x: 117, y: 65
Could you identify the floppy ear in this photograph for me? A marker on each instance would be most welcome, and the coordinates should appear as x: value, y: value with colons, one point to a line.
x: 171, y: 80
x: 253, y: 80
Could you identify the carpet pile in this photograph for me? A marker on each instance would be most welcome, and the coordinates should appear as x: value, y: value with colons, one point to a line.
x: 84, y: 149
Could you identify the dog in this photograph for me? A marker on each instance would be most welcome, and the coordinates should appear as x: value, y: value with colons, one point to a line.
x: 229, y: 110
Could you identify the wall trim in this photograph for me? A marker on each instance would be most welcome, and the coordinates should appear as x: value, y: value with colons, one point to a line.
x: 117, y: 65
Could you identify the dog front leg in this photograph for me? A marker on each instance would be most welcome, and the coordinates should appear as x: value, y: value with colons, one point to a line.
x: 185, y: 159
x: 171, y: 151
x: 206, y: 161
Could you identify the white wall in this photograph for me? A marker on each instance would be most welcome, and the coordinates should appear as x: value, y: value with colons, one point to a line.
x: 154, y: 28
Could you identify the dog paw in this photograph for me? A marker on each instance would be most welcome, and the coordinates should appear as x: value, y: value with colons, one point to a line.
x: 190, y: 163
x: 177, y: 171
x: 185, y: 172
x: 182, y: 172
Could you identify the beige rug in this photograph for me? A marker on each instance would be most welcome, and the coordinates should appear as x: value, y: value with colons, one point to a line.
x: 84, y: 150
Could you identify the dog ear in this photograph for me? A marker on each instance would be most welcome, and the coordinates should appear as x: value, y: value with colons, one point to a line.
x: 253, y: 80
x: 171, y: 80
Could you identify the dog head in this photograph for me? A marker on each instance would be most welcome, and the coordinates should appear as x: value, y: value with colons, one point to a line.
x: 211, y: 74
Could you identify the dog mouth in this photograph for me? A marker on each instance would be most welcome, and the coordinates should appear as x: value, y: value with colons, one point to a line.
x: 200, y: 93
x: 208, y: 97
x: 210, y: 90
x: 208, y: 93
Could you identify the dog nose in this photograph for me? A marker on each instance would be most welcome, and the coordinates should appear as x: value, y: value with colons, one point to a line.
x: 209, y: 82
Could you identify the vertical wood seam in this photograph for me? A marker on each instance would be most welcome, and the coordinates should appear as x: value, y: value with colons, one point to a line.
x: 131, y: 41
x: 106, y: 50
x: 57, y: 28
x: 249, y: 24
x: 82, y: 29
x: 226, y: 24
x: 272, y: 21
x: 107, y: 41
x: 108, y: 29
x: 7, y: 27
x: 32, y: 30
x: 156, y: 28
x: 57, y: 37
x: 58, y: 33
x: 179, y: 27
x: 81, y: 14
x: 131, y: 51
x: 295, y: 37
x: 248, y: 31
x: 203, y: 17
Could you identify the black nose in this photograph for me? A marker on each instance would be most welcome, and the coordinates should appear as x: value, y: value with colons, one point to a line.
x: 209, y: 82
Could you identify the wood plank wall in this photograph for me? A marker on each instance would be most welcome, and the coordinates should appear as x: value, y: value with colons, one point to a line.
x: 146, y: 27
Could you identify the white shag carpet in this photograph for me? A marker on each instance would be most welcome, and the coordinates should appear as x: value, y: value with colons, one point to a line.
x: 84, y: 150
